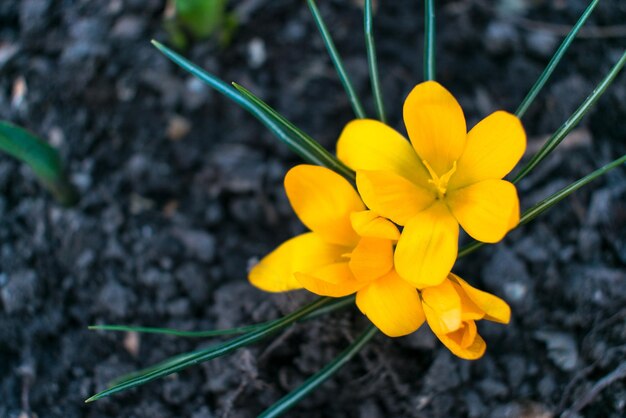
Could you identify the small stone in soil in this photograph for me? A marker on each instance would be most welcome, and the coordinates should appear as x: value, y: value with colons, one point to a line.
x: 19, y: 293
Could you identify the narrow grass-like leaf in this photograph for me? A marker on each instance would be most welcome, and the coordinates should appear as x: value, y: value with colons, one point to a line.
x: 166, y: 363
x: 305, y: 149
x: 177, y: 332
x: 429, y: 40
x: 573, y: 120
x: 537, y: 209
x: 43, y: 159
x: 335, y: 304
x: 547, y: 203
x: 336, y: 59
x: 185, y: 360
x: 372, y: 62
x: 327, y: 159
x: 320, y: 377
x: 556, y: 58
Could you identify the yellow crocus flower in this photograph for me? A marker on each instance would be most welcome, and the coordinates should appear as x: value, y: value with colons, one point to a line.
x: 348, y: 250
x: 444, y: 177
x: 452, y: 309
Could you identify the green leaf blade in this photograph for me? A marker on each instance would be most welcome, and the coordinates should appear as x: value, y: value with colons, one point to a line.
x: 310, y: 151
x: 200, y: 356
x: 333, y: 305
x: 429, y: 40
x: 540, y: 207
x: 554, y: 61
x: 320, y: 377
x: 336, y: 59
x: 43, y: 159
x: 326, y: 159
x: 572, y: 121
x: 555, y: 198
x: 372, y: 61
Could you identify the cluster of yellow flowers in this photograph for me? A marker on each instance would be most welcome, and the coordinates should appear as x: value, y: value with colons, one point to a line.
x: 395, y: 241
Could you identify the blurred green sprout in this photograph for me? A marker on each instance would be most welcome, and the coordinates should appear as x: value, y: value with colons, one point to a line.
x: 193, y: 20
x: 42, y: 158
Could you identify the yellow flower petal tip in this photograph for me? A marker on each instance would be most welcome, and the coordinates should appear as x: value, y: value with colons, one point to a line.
x: 452, y: 309
x: 436, y: 125
x: 323, y: 200
x: 368, y: 224
x: 275, y: 272
x: 494, y: 308
x: 392, y: 305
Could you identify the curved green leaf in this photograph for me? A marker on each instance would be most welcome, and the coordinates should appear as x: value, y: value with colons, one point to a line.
x: 41, y: 157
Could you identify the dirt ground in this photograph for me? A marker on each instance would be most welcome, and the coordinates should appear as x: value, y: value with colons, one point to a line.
x: 181, y: 191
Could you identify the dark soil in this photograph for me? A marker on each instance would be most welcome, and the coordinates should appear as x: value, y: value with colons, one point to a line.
x: 169, y: 220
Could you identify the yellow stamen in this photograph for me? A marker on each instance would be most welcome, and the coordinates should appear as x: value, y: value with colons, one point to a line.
x: 440, y: 183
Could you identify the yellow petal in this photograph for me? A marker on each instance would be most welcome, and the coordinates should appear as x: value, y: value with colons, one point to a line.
x: 486, y: 210
x: 392, y: 196
x: 392, y: 305
x: 469, y: 310
x: 334, y: 280
x: 495, y: 309
x: 515, y: 216
x: 436, y: 125
x: 368, y: 224
x: 428, y: 247
x: 367, y: 144
x: 494, y: 146
x: 275, y: 272
x: 323, y: 200
x: 371, y: 259
x: 458, y: 346
x: 442, y: 307
x: 470, y: 331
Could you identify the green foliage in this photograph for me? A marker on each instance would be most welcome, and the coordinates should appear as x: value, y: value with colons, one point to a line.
x: 300, y: 143
x: 42, y: 159
x: 320, y: 377
x: 540, y: 207
x: 429, y: 40
x: 556, y: 58
x: 573, y: 120
x: 371, y: 60
x: 200, y: 19
x: 183, y: 361
x: 333, y: 305
x: 336, y: 59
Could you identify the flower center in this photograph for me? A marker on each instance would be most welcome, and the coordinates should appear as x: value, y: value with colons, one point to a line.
x: 440, y: 184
